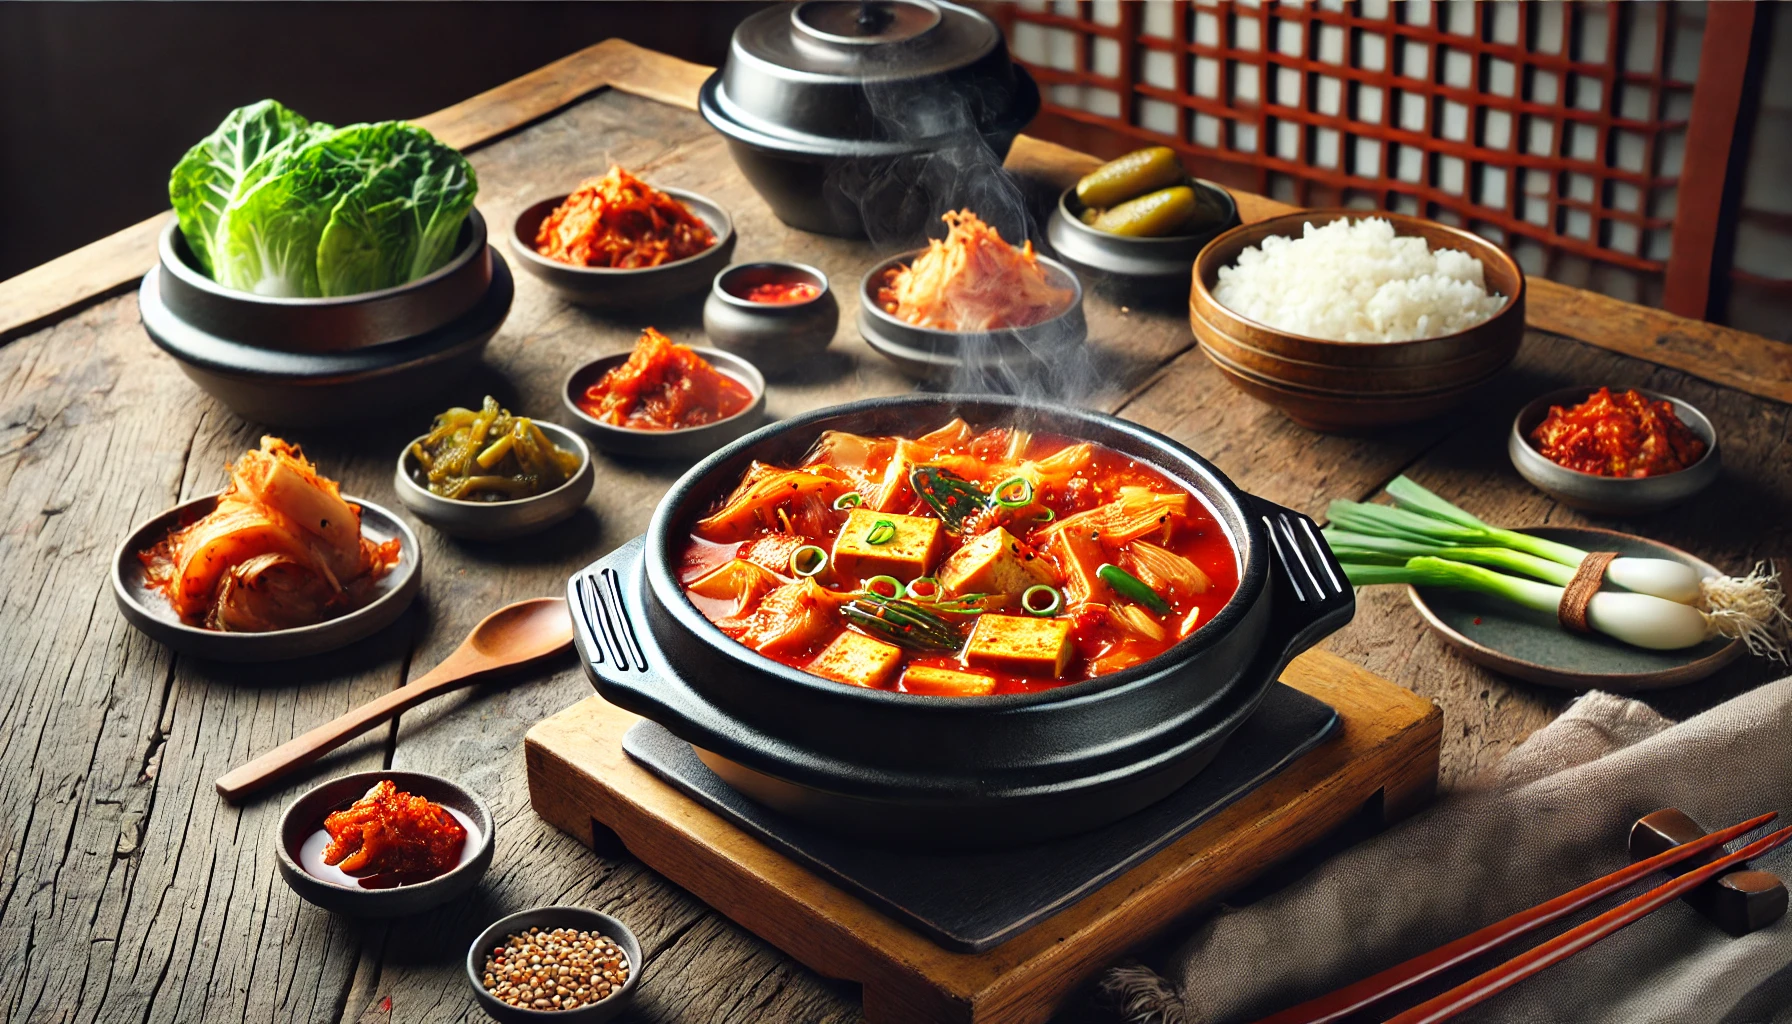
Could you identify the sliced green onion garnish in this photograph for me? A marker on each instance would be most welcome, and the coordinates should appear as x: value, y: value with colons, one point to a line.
x: 882, y: 532
x: 1041, y: 600
x: 888, y: 587
x: 1045, y: 516
x: 808, y: 560
x: 1131, y: 587
x: 923, y: 588
x: 1014, y: 492
x: 849, y: 500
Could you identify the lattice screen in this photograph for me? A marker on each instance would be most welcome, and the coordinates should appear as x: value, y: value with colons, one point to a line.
x: 1555, y: 129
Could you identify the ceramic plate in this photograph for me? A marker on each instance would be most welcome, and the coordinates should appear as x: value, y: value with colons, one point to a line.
x: 1532, y: 646
x: 150, y: 612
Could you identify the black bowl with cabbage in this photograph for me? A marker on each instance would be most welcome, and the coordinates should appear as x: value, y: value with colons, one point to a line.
x: 283, y: 207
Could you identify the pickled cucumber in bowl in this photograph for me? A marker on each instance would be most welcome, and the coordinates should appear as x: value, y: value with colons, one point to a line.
x: 1147, y: 194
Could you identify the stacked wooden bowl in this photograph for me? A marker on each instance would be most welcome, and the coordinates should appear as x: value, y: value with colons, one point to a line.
x: 1348, y: 386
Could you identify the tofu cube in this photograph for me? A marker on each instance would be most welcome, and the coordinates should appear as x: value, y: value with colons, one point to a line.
x: 994, y: 563
x: 946, y: 682
x: 1022, y: 645
x: 915, y: 547
x: 857, y: 659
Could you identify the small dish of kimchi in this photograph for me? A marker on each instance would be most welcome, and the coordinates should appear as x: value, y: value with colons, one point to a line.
x: 619, y: 242
x: 663, y: 400
x: 278, y: 565
x: 971, y: 302
x: 1614, y: 451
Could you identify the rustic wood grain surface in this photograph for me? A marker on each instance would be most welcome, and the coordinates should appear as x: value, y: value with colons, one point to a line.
x: 129, y: 891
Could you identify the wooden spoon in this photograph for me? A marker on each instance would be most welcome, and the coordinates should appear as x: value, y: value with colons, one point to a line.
x: 514, y: 635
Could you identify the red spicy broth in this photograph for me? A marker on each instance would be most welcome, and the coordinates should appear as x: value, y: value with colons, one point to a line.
x: 1084, y: 504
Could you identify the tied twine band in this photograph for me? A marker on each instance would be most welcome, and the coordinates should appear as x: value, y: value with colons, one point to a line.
x: 1572, y: 612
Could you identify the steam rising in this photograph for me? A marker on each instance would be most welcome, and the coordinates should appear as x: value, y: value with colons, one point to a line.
x: 956, y: 167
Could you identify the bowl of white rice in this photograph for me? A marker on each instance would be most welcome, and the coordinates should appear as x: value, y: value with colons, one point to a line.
x: 1346, y: 319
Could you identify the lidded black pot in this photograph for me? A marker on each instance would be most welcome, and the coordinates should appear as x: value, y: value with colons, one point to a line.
x: 853, y: 118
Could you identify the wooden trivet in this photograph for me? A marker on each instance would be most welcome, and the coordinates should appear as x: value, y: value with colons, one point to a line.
x: 1385, y: 753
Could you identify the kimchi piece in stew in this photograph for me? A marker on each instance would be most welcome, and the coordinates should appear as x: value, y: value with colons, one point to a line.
x: 958, y: 563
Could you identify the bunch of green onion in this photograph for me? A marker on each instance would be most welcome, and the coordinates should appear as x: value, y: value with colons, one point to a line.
x: 1662, y: 604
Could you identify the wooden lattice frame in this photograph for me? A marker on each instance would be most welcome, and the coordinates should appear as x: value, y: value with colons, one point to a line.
x: 1581, y: 150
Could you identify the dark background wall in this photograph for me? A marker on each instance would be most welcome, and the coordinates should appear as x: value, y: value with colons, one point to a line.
x: 98, y: 100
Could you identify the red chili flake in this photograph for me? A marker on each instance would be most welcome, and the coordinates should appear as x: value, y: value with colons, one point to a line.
x: 1477, y: 620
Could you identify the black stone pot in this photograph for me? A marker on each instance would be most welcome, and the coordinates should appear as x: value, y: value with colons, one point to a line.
x: 870, y: 118
x: 943, y: 771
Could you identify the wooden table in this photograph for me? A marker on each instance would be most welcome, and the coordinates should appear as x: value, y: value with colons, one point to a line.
x: 129, y: 891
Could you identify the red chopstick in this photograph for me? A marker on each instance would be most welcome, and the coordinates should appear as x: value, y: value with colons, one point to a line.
x: 1351, y: 998
x: 1579, y: 937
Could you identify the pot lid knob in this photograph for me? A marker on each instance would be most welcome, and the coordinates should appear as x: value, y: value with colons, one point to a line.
x: 864, y: 22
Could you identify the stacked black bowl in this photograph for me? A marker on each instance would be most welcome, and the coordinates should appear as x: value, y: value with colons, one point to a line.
x: 303, y: 361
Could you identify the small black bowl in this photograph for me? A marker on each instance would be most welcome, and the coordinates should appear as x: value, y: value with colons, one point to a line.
x: 306, y: 816
x: 777, y: 337
x: 936, y: 356
x: 1159, y: 265
x: 611, y: 288
x: 550, y: 918
x: 684, y: 443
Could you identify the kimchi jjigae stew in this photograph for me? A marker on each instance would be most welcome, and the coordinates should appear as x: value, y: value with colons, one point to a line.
x: 958, y: 563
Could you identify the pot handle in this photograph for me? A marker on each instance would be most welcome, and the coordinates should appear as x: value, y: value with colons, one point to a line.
x: 618, y: 655
x: 1312, y: 597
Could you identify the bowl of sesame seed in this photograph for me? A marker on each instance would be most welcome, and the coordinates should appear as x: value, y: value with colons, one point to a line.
x: 564, y: 964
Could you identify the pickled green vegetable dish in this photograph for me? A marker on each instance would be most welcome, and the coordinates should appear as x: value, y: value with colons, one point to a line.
x: 1147, y: 194
x: 489, y: 455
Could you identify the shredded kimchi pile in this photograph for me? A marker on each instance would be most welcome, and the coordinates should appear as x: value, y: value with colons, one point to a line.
x: 390, y: 837
x: 1621, y: 434
x: 972, y: 281
x: 621, y: 222
x: 280, y: 550
x: 664, y: 386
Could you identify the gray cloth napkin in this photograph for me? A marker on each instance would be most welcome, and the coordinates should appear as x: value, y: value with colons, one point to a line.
x: 1555, y: 814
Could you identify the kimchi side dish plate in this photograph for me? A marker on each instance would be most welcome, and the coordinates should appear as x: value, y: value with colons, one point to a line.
x: 146, y: 606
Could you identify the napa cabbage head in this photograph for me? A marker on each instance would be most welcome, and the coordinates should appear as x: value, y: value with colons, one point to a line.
x: 402, y: 221
x: 226, y: 164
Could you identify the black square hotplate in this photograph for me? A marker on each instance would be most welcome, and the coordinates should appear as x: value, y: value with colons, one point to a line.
x: 972, y: 901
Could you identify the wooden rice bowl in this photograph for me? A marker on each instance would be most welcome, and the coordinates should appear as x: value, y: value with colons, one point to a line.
x: 1339, y: 385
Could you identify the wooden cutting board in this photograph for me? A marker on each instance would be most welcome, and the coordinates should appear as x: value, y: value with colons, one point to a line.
x: 1385, y: 755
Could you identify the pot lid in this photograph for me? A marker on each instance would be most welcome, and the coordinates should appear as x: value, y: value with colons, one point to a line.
x: 866, y: 71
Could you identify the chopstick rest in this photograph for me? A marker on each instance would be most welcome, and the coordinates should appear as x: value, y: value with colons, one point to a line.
x: 1739, y: 902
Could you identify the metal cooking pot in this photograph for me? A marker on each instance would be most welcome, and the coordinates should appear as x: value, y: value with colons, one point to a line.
x: 857, y: 118
x: 942, y: 771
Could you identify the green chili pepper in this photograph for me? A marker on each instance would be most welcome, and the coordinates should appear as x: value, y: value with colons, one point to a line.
x: 903, y: 623
x: 1129, y: 586
x: 953, y: 498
